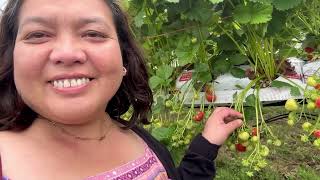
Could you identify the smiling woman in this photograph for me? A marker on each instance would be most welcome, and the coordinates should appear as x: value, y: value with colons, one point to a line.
x: 66, y: 77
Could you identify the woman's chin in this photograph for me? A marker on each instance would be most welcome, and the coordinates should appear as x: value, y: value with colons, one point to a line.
x: 75, y: 116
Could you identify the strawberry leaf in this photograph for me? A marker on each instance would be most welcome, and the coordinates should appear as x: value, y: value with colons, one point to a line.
x: 164, y: 71
x: 162, y: 133
x: 238, y: 59
x: 138, y: 19
x: 238, y: 72
x: 253, y: 13
x: 294, y: 91
x: 286, y: 4
x: 155, y: 81
x: 250, y: 100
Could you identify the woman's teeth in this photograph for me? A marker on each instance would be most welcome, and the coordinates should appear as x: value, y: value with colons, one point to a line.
x: 67, y: 83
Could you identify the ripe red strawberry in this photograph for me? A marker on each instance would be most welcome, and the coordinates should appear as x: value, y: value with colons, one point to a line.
x: 318, y: 103
x: 210, y: 97
x: 317, y: 86
x: 240, y: 147
x: 199, y: 116
x: 316, y: 133
x: 308, y: 49
x: 254, y: 131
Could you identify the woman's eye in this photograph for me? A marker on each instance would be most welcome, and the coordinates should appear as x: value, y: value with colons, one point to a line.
x: 94, y: 35
x: 37, y: 37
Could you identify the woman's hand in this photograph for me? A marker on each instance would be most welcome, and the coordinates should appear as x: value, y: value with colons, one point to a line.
x: 221, y: 123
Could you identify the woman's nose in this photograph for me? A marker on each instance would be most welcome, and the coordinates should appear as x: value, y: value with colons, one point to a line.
x: 67, y: 52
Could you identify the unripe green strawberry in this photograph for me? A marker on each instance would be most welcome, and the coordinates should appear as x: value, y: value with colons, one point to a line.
x: 196, y: 96
x: 254, y: 139
x: 304, y: 138
x: 306, y: 126
x: 246, y: 143
x: 291, y: 105
x: 194, y: 40
x: 314, y: 96
x: 307, y: 94
x: 269, y: 141
x: 311, y: 106
x: 168, y: 103
x: 244, y: 136
x: 311, y: 81
x: 187, y: 141
x: 232, y: 147
x: 316, y: 143
x: 292, y: 116
x: 290, y: 122
x: 249, y: 148
x: 277, y: 142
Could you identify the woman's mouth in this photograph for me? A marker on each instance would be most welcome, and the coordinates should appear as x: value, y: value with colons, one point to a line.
x: 70, y: 83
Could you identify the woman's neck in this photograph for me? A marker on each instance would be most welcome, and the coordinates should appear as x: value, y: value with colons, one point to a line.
x: 90, y: 131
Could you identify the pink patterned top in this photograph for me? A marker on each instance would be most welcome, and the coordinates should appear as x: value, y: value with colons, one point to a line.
x: 147, y: 167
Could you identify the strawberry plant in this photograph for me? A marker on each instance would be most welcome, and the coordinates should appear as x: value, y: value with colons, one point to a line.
x: 208, y: 38
x: 306, y: 19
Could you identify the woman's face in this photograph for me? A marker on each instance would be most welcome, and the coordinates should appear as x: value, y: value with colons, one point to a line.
x: 67, y: 59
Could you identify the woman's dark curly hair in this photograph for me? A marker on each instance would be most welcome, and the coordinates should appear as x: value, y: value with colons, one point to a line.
x: 134, y: 90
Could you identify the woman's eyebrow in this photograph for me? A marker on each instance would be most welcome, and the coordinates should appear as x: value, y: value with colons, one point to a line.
x: 82, y: 21
x: 37, y: 20
x: 92, y: 20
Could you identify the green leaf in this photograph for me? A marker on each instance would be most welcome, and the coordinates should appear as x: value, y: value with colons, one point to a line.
x: 253, y: 13
x: 238, y: 72
x: 261, y: 13
x: 202, y: 72
x: 277, y: 23
x: 249, y: 113
x: 155, y: 81
x: 250, y: 100
x: 164, y: 72
x: 162, y: 133
x: 220, y: 66
x: 294, y: 91
x: 242, y: 14
x: 286, y: 52
x: 286, y: 4
x: 215, y: 1
x: 225, y: 43
x: 238, y: 59
x: 139, y: 18
x: 280, y: 84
